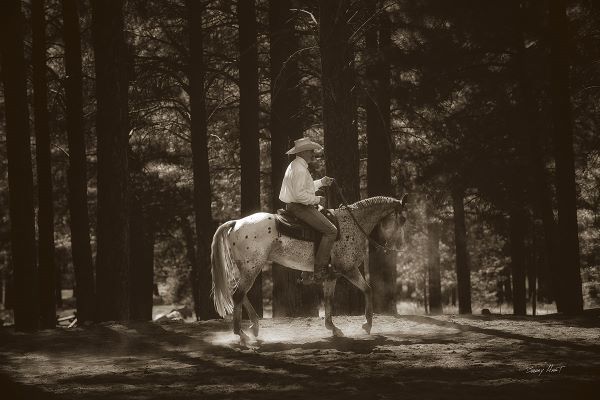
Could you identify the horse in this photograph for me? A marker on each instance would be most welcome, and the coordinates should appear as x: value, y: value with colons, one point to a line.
x: 240, y: 248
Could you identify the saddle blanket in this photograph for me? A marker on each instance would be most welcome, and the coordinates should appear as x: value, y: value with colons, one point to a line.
x: 289, y: 225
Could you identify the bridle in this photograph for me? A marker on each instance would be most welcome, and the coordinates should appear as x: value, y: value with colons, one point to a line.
x: 384, y: 248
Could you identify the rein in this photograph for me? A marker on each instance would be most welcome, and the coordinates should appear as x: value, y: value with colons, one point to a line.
x: 371, y: 240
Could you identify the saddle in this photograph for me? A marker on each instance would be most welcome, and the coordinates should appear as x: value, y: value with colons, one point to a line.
x: 289, y: 225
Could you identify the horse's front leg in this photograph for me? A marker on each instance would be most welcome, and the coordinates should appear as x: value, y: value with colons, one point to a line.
x: 328, y: 292
x: 359, y: 281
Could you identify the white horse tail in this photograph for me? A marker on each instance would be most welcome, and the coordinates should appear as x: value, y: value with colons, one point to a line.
x: 223, y: 270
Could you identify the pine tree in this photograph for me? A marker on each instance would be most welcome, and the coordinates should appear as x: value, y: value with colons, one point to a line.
x: 112, y: 260
x: 77, y: 179
x: 20, y: 175
x: 44, y: 169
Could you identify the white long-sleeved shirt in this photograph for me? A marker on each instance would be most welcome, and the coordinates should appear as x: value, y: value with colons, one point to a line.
x: 298, y: 185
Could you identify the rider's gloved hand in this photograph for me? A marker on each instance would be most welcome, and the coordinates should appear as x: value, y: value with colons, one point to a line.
x: 326, y: 181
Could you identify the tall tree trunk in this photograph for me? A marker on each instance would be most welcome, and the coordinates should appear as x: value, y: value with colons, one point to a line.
x: 112, y: 127
x: 382, y: 267
x: 9, y: 297
x: 382, y: 278
x: 289, y: 298
x: 507, y: 285
x: 570, y: 293
x: 532, y: 266
x: 190, y: 252
x: 3, y: 289
x: 58, y: 285
x: 44, y: 169
x: 518, y: 215
x: 285, y: 93
x: 426, y: 290
x: 433, y: 267
x: 517, y: 226
x: 249, y: 110
x: 379, y: 165
x: 205, y: 308
x: 141, y: 259
x: 463, y: 274
x: 20, y: 175
x: 542, y: 195
x: 77, y: 180
x: 543, y: 204
x: 339, y: 122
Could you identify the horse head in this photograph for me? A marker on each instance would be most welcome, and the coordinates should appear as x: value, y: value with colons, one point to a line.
x: 391, y: 227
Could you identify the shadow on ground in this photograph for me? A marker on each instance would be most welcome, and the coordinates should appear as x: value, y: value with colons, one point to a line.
x: 408, y: 357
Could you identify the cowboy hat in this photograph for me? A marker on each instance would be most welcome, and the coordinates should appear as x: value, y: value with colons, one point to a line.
x: 304, y: 144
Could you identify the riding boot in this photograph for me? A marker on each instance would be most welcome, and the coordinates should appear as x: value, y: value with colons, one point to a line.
x: 314, y: 278
x: 320, y: 273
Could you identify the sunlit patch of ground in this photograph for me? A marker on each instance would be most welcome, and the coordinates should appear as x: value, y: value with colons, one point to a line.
x: 408, y: 357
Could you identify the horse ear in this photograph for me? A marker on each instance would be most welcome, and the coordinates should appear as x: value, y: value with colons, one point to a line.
x: 404, y: 200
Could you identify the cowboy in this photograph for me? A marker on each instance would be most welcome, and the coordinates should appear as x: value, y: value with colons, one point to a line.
x: 298, y: 192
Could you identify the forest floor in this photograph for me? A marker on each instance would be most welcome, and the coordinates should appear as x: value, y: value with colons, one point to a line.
x: 405, y: 357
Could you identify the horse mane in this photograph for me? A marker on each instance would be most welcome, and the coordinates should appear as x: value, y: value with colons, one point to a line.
x: 374, y: 201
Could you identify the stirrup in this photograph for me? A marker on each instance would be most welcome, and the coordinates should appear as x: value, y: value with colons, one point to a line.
x: 308, y: 278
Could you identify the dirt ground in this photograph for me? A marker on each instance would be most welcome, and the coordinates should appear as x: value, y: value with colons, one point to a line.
x: 405, y: 357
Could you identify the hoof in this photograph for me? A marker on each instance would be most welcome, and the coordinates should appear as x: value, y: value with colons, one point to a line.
x: 367, y: 327
x: 254, y: 328
x: 337, y: 332
x: 244, y: 339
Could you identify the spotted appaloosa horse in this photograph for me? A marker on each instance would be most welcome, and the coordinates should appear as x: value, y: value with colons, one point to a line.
x: 241, y: 248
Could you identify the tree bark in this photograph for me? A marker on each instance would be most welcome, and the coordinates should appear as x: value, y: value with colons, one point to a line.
x: 379, y: 165
x: 518, y: 215
x: 112, y: 128
x: 433, y: 266
x: 532, y: 267
x: 339, y: 123
x: 142, y: 260
x: 190, y: 252
x: 517, y: 220
x: 542, y: 196
x: 202, y: 191
x: 58, y: 285
x: 289, y: 298
x: 382, y: 267
x: 382, y: 278
x: 463, y: 274
x: 570, y: 292
x: 249, y: 110
x: 44, y: 169
x: 77, y: 180
x: 20, y: 175
x: 285, y: 93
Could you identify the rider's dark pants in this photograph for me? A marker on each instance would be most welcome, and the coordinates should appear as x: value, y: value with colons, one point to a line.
x: 318, y: 221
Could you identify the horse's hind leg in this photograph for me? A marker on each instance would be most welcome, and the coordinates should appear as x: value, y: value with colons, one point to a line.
x: 238, y: 297
x: 247, y: 278
x: 252, y: 314
x: 328, y: 291
x: 359, y: 281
